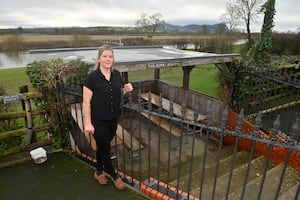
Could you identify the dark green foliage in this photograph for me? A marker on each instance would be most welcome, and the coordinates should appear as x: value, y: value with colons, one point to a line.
x: 236, y: 83
x: 262, y: 50
x: 46, y: 77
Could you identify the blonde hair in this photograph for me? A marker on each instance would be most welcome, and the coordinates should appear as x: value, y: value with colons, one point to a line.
x: 102, y: 48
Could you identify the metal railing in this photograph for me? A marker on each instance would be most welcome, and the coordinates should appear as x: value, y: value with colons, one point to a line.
x: 183, y: 156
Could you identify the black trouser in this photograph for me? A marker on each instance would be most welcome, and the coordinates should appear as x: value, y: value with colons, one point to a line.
x: 104, y: 133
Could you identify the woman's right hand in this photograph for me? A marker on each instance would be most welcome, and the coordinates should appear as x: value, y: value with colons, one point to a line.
x: 89, y: 128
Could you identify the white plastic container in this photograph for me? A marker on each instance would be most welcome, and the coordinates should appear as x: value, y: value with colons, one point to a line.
x: 39, y: 155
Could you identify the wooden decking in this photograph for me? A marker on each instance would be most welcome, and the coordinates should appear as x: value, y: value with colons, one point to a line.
x: 163, y: 123
x: 189, y: 114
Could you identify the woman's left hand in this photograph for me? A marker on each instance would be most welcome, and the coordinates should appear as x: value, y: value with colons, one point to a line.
x: 128, y: 88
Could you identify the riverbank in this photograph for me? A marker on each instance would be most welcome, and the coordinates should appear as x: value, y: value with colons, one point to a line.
x: 25, y: 42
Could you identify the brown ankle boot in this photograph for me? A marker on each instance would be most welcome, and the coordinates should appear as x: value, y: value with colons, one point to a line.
x: 100, y: 178
x: 119, y: 184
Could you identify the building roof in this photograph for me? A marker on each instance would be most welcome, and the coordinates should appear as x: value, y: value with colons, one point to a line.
x: 135, y: 58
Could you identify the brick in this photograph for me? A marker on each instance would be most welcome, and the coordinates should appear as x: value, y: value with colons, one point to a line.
x: 159, y: 196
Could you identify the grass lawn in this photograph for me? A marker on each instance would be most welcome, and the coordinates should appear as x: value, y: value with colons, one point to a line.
x: 11, y: 79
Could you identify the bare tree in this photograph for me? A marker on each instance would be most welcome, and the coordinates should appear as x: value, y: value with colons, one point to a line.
x: 150, y: 23
x: 244, y: 11
x: 230, y: 18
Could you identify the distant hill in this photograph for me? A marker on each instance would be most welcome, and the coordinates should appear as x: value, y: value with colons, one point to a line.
x: 168, y: 28
x: 194, y: 28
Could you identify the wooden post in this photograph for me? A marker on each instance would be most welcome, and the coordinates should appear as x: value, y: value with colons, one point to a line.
x: 186, y: 76
x: 26, y: 105
x: 29, y: 123
x: 157, y: 73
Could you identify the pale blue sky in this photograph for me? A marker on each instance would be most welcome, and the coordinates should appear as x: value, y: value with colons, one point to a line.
x: 58, y: 13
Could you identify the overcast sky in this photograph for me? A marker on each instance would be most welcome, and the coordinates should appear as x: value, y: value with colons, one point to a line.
x: 64, y: 13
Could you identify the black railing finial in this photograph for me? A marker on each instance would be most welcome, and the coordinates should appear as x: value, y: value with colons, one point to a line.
x: 240, y: 120
x: 295, y: 132
x: 257, y: 123
x: 276, y: 125
x: 224, y: 117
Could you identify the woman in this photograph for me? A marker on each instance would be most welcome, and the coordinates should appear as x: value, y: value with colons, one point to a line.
x: 101, y: 106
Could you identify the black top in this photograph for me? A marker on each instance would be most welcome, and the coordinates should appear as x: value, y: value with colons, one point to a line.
x: 106, y: 99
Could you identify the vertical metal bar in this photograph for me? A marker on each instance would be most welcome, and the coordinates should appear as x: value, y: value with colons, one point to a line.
x: 123, y: 138
x: 170, y: 143
x: 203, y: 165
x: 140, y: 135
x: 131, y: 134
x: 247, y: 170
x: 265, y: 171
x: 209, y: 118
x: 149, y: 134
x: 217, y: 167
x: 193, y: 148
x: 238, y: 128
x: 286, y: 161
x: 232, y: 166
x: 183, y: 107
x: 257, y: 126
x: 159, y: 141
x: 66, y: 98
x: 276, y: 125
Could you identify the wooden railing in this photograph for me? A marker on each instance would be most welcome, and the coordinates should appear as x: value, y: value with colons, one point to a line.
x: 31, y: 135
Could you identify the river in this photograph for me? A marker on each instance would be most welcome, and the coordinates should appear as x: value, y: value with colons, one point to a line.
x: 21, y: 59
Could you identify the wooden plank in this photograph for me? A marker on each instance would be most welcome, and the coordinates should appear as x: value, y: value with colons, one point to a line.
x: 15, y: 115
x: 164, y: 124
x: 130, y: 141
x: 189, y: 114
x: 23, y: 131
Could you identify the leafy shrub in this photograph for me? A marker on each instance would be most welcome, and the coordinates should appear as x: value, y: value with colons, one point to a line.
x: 46, y: 77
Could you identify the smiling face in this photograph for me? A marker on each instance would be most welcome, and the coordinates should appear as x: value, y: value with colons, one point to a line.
x: 106, y: 59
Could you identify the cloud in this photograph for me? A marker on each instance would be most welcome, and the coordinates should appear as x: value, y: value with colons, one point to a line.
x: 57, y: 13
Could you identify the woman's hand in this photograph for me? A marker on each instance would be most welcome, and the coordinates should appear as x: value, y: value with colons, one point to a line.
x: 127, y: 88
x: 89, y: 128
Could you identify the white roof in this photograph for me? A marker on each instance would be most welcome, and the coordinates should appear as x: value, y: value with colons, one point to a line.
x: 133, y: 58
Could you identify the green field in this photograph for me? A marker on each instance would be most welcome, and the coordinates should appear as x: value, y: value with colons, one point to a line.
x: 12, y: 79
x: 203, y: 78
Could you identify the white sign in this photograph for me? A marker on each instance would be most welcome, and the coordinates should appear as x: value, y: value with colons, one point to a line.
x: 11, y: 98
